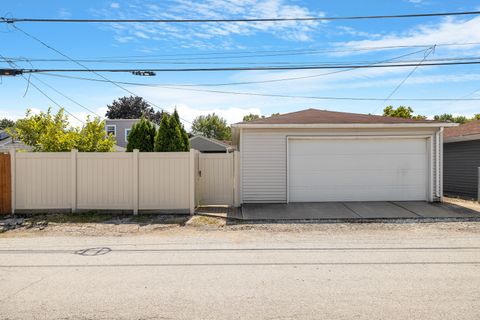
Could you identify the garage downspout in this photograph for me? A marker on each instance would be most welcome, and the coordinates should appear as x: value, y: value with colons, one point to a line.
x: 437, y: 163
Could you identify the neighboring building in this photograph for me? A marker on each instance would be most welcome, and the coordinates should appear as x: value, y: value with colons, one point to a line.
x: 120, y: 128
x: 7, y: 143
x: 316, y: 156
x: 209, y: 145
x: 461, y: 151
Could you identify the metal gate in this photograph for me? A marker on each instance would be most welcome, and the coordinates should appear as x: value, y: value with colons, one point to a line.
x: 216, y: 180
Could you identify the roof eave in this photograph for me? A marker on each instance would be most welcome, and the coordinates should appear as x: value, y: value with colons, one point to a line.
x: 342, y: 125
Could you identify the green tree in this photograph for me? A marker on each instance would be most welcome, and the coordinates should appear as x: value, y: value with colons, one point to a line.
x: 251, y: 117
x: 186, y: 140
x: 132, y: 108
x: 211, y: 126
x: 142, y: 136
x: 171, y: 136
x: 91, y: 137
x: 401, y: 112
x: 476, y: 116
x: 446, y: 117
x: 49, y: 132
x: 6, y: 123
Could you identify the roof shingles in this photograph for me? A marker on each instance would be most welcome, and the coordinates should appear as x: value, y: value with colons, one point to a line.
x: 469, y: 128
x: 315, y: 116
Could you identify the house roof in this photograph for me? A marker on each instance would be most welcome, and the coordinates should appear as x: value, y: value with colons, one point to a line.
x: 464, y: 132
x: 202, y: 143
x: 315, y: 116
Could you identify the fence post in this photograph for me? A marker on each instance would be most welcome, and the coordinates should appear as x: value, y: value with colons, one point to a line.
x: 135, y: 181
x: 192, y: 181
x: 13, y: 177
x: 73, y: 169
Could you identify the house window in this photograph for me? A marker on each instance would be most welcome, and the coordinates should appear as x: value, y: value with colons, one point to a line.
x: 111, y: 130
x: 127, y: 132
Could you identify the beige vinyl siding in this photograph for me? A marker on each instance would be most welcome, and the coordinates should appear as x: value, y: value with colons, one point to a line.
x: 264, y: 154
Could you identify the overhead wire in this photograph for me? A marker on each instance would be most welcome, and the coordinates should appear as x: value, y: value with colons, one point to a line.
x: 87, y: 69
x: 29, y: 82
x: 270, y: 95
x: 245, y: 20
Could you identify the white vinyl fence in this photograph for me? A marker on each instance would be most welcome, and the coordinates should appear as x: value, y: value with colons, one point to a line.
x: 167, y: 181
x: 113, y: 181
x: 217, y: 178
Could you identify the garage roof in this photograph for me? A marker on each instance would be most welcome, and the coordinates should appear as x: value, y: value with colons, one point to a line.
x: 315, y: 116
x: 464, y: 132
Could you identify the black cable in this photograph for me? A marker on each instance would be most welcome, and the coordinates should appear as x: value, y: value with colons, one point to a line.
x: 397, y: 16
x: 280, y: 79
x: 265, y: 68
x: 271, y: 95
x: 43, y: 93
x: 87, y: 69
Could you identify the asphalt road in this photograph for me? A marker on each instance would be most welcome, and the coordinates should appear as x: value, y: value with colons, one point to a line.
x: 343, y: 274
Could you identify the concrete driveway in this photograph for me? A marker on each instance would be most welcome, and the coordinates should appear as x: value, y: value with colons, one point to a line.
x: 352, y: 211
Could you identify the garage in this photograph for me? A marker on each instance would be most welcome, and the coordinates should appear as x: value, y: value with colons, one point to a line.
x: 357, y: 169
x: 327, y: 156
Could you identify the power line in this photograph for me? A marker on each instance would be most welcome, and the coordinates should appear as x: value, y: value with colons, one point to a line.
x: 29, y: 82
x: 396, y: 16
x: 272, y: 80
x: 263, y: 68
x: 87, y: 69
x: 274, y: 95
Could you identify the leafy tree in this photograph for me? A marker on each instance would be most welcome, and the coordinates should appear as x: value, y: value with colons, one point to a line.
x: 211, y: 126
x: 401, y: 112
x: 132, y: 108
x: 171, y: 136
x: 91, y: 137
x: 446, y: 117
x: 251, y: 116
x: 142, y: 136
x: 6, y: 123
x: 49, y: 132
x: 186, y: 140
x: 476, y: 116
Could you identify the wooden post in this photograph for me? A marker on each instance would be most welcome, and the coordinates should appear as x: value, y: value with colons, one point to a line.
x: 5, y: 184
x: 73, y: 168
x: 135, y: 181
x: 13, y: 177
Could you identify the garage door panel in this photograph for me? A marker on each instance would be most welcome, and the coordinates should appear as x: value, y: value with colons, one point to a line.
x: 357, y: 169
x: 413, y: 162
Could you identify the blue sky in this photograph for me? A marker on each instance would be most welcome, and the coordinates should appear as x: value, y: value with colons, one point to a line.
x: 220, y: 45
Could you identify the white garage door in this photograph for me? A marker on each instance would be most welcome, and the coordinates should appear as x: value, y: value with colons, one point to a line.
x: 357, y: 169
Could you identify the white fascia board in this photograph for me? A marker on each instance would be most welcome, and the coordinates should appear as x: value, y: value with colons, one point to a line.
x: 342, y: 125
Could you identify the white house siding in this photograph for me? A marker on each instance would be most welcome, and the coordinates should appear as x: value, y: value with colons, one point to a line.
x: 263, y: 155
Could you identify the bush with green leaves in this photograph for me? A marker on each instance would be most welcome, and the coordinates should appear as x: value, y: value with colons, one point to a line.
x: 141, y: 136
x: 171, y: 136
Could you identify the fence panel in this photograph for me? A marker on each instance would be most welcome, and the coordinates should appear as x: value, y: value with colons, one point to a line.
x: 42, y: 180
x: 164, y: 180
x: 5, y: 184
x: 105, y: 181
x: 216, y: 179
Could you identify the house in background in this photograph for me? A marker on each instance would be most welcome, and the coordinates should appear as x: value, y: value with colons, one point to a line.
x: 209, y: 145
x: 461, y: 151
x: 120, y: 128
x: 321, y: 156
x: 8, y: 143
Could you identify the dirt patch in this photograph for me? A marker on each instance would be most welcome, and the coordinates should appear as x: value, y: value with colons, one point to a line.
x: 473, y: 205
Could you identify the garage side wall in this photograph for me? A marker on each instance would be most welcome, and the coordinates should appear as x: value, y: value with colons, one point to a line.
x: 263, y: 155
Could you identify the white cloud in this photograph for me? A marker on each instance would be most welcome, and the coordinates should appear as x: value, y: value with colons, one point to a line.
x: 193, y: 35
x: 114, y: 5
x: 448, y: 31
